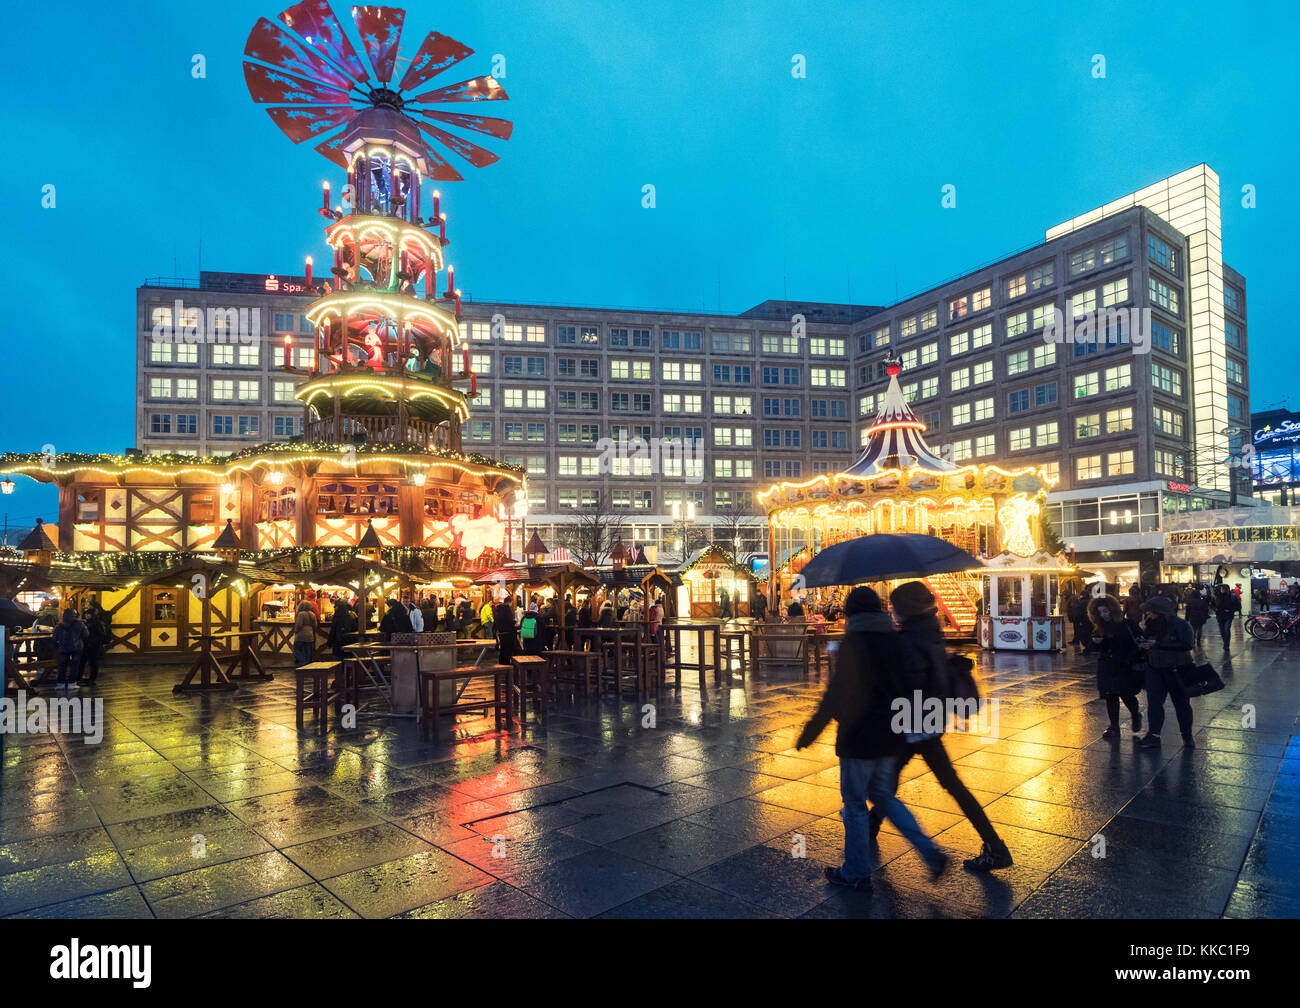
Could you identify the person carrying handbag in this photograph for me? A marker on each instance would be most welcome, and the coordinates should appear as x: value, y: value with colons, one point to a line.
x: 1168, y: 644
x: 1117, y: 661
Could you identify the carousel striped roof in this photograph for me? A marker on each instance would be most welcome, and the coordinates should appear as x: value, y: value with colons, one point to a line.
x: 895, y: 440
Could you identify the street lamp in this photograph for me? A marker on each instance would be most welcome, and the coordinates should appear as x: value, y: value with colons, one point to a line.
x: 7, y: 486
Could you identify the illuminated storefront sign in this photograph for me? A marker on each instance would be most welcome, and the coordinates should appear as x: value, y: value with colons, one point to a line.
x: 1243, y: 534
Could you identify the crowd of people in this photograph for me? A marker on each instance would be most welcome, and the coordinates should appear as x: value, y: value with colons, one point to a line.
x: 1198, y: 602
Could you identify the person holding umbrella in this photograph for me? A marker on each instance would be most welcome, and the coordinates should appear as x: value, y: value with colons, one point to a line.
x: 859, y: 699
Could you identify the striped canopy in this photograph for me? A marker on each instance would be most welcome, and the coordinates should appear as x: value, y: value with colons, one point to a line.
x: 895, y: 440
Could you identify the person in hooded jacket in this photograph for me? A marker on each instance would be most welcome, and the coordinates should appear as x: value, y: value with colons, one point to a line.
x: 507, y: 634
x: 1168, y: 642
x: 395, y: 620
x: 859, y: 699
x: 926, y: 653
x: 343, y: 629
x: 1116, y: 640
x: 97, y: 637
x: 1226, y: 606
x: 1198, y: 612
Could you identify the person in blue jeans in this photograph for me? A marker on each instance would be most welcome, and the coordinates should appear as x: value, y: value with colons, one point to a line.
x: 859, y: 699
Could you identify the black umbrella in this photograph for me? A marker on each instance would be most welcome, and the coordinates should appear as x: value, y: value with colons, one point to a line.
x: 14, y: 615
x: 885, y: 556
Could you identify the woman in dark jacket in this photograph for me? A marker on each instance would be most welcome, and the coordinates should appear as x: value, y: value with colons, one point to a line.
x: 1116, y: 640
x: 859, y: 698
x: 343, y: 629
x: 395, y: 620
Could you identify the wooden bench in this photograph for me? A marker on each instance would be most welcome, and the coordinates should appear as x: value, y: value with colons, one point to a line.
x: 432, y: 708
x: 326, y: 683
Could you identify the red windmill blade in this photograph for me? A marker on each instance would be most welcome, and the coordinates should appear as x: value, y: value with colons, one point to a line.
x: 436, y: 54
x: 380, y: 28
x: 310, y: 70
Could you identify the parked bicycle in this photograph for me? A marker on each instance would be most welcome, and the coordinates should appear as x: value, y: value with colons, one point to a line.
x: 1273, y: 626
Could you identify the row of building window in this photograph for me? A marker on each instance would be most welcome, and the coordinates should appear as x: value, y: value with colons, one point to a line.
x: 219, y: 389
x: 187, y: 425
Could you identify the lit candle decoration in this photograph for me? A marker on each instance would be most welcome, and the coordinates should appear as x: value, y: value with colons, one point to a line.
x: 288, y: 345
x: 325, y: 205
x: 309, y: 272
x: 458, y: 304
x: 437, y: 200
x: 473, y: 383
x: 442, y: 227
x: 464, y: 348
x: 451, y: 276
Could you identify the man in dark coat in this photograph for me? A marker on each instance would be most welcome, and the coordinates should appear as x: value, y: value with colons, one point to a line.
x: 859, y: 698
x: 758, y: 605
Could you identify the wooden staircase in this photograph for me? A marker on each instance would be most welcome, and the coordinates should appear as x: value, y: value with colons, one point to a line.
x: 955, y: 607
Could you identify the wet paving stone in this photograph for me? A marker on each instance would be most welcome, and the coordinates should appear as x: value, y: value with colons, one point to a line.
x: 769, y: 878
x: 686, y: 900
x: 57, y: 883
x: 590, y: 883
x: 187, y: 852
x: 127, y: 903
x: 213, y: 887
x: 680, y: 847
x: 405, y: 883
x: 309, y: 902
x: 751, y: 820
x: 343, y: 852
x: 703, y: 816
x: 494, y: 901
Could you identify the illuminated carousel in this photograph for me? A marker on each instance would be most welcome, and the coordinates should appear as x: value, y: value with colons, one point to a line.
x: 898, y: 484
x: 377, y: 495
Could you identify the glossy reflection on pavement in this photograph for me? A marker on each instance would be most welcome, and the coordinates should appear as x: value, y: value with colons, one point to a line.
x: 216, y: 806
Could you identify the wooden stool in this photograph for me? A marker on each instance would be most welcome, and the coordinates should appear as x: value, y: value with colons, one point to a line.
x: 317, y: 699
x: 529, y: 678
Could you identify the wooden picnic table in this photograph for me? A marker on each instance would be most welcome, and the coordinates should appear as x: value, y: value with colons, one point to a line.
x: 245, y: 657
x: 25, y: 661
x: 206, y: 666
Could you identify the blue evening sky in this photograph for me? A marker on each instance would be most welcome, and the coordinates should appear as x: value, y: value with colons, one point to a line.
x: 822, y: 188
